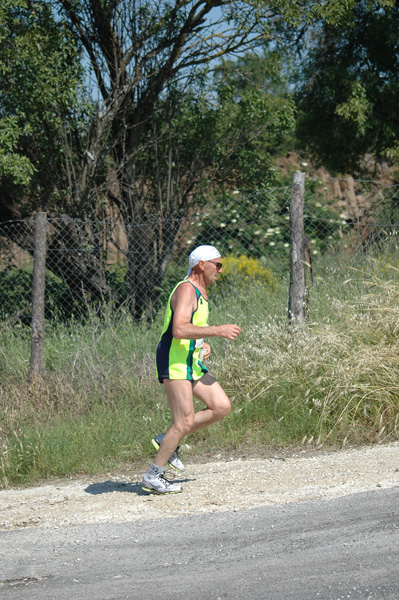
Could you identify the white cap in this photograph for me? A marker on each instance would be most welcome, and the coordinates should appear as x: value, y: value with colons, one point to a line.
x: 201, y: 253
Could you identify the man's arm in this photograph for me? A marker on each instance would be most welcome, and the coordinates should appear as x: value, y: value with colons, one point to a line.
x: 184, y: 302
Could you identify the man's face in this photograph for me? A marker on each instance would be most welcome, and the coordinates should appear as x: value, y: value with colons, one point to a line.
x: 212, y: 268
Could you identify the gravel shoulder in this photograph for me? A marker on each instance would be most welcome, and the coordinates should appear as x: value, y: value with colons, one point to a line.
x: 228, y: 484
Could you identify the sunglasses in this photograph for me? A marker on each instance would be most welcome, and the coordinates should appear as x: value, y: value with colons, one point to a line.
x: 218, y: 265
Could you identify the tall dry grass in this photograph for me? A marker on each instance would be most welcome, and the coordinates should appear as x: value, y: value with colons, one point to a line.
x: 336, y: 381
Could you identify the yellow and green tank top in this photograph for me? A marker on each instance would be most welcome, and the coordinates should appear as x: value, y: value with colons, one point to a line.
x: 180, y: 359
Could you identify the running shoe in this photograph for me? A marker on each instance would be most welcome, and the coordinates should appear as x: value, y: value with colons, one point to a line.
x: 159, y: 484
x: 174, y: 460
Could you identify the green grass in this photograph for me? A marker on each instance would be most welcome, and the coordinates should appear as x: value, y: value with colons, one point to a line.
x: 333, y: 383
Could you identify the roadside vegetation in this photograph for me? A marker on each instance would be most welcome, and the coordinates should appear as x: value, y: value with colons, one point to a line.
x: 333, y: 383
x: 170, y: 119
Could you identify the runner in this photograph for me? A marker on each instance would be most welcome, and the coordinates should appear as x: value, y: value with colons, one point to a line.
x: 180, y: 360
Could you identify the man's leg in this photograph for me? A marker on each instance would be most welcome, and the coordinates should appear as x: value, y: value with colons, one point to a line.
x: 184, y: 421
x: 179, y: 393
x: 209, y: 391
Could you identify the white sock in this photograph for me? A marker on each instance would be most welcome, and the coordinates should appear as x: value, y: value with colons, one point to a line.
x: 154, y: 470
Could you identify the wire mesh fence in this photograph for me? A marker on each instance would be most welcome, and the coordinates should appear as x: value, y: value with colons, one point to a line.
x: 130, y: 266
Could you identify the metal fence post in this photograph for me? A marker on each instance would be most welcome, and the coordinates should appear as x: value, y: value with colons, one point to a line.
x: 38, y: 288
x: 296, y: 308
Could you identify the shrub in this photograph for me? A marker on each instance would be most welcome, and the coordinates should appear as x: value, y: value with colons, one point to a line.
x: 239, y: 271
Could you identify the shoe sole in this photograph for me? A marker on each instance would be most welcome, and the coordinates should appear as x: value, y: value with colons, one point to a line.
x: 152, y: 491
x: 156, y: 446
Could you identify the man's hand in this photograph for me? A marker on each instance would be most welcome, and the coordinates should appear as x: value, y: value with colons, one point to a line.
x: 207, y: 349
x: 228, y: 331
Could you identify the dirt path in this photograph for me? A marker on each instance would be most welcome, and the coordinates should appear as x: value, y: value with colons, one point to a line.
x: 225, y: 485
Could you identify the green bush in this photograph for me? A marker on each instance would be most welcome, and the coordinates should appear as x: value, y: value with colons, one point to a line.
x: 15, y: 290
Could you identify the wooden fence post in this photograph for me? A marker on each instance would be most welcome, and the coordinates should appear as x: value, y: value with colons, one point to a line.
x: 38, y: 288
x: 296, y: 305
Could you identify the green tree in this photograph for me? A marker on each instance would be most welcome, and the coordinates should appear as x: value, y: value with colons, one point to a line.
x: 143, y: 56
x: 264, y: 75
x: 348, y: 88
x: 39, y: 75
x: 201, y: 145
x: 154, y: 142
x: 43, y: 122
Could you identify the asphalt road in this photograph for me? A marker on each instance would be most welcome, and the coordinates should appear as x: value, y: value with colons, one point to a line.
x: 347, y: 548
